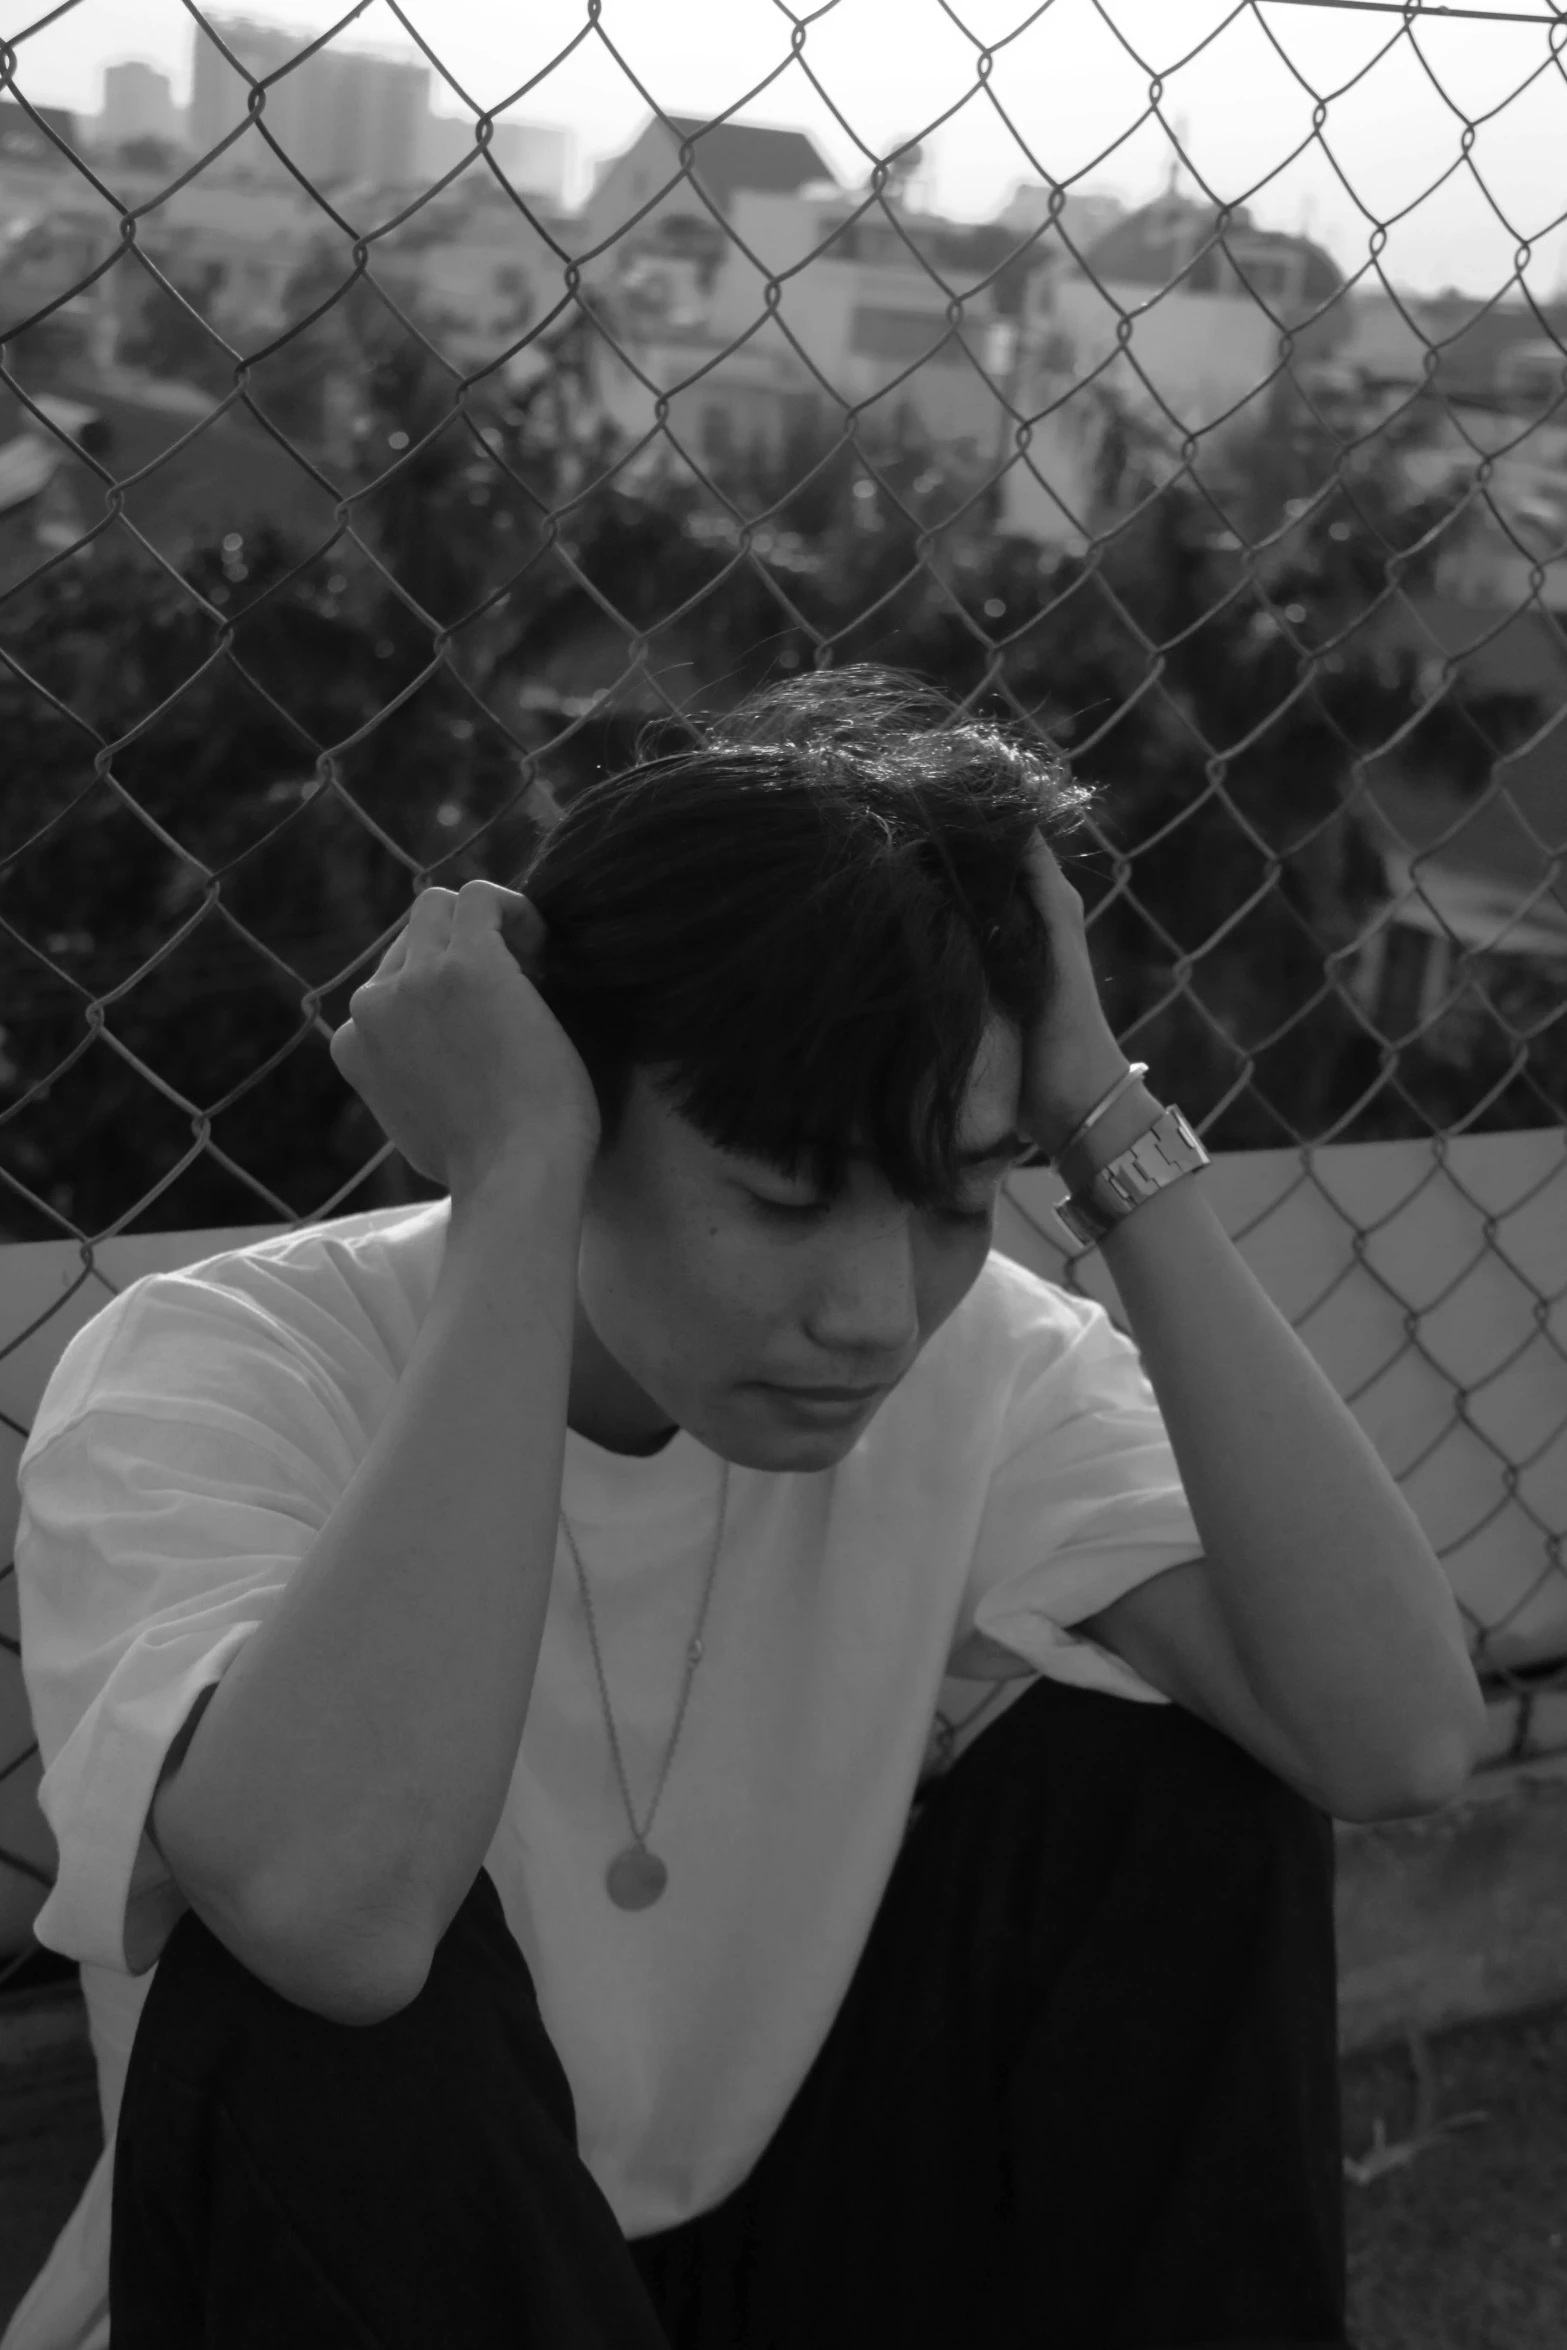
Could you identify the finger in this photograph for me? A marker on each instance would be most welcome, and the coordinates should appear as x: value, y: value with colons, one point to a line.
x: 1040, y: 871
x: 391, y: 961
x: 485, y: 905
x: 347, y: 1049
x: 395, y: 956
x: 429, y: 928
x: 1041, y: 857
x: 1049, y: 883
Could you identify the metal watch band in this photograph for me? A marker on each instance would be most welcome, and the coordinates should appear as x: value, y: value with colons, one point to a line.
x: 1161, y: 1154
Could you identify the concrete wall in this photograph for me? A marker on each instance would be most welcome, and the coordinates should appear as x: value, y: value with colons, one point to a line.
x: 1433, y: 1292
x: 1201, y: 354
x: 1460, y: 1915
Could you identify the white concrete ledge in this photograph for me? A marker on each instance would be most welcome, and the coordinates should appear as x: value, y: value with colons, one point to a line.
x: 1459, y: 1915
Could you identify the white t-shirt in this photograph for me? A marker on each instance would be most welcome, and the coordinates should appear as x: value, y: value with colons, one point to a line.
x: 193, y: 1441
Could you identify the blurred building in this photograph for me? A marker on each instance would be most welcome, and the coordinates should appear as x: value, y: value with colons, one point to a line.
x: 1175, y: 322
x: 22, y: 141
x: 753, y: 293
x: 1474, y: 878
x: 240, y: 241
x: 242, y: 244
x: 1083, y: 215
x: 46, y: 251
x: 339, y: 115
x: 138, y: 103
x: 535, y: 157
x: 1465, y: 346
x: 376, y: 111
x: 724, y: 158
x: 220, y: 94
x: 481, y: 272
x: 1475, y: 383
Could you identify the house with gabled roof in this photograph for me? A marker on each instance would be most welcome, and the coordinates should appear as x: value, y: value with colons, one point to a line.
x: 1207, y: 305
x: 743, y: 288
x: 1173, y: 317
x: 701, y: 167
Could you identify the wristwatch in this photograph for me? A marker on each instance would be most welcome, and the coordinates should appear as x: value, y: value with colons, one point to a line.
x: 1162, y: 1154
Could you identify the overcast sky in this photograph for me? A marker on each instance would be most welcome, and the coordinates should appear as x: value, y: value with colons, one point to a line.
x: 1073, y: 93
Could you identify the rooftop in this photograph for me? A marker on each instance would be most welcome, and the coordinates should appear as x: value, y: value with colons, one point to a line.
x: 1470, y: 335
x: 20, y: 135
x: 1151, y: 246
x: 731, y: 155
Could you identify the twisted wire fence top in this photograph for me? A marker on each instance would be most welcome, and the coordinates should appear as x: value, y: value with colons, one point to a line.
x: 360, y: 498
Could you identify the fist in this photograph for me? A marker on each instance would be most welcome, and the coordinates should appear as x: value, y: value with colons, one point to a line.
x: 455, y: 1051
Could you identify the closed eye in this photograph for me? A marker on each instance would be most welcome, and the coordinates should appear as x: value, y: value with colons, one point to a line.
x: 791, y: 1211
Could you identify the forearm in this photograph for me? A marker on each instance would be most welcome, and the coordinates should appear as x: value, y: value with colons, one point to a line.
x: 352, y: 1765
x: 1339, y: 1610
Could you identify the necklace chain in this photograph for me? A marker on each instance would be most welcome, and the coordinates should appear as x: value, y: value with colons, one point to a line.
x: 694, y: 1652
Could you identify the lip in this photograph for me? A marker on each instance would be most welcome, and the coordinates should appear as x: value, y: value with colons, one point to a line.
x: 838, y: 1396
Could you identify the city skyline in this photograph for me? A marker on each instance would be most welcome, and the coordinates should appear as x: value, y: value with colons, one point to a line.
x: 1240, y: 106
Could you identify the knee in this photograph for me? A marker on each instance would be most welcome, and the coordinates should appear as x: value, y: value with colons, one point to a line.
x: 1229, y: 1822
x: 1174, y: 1781
x: 209, y: 2018
x: 242, y: 2111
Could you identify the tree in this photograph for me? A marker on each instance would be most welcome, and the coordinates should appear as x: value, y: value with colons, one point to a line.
x: 1232, y: 630
x: 164, y: 339
x: 47, y: 349
x: 373, y: 721
x: 234, y: 813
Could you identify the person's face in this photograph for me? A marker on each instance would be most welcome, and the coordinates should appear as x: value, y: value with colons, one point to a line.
x: 708, y: 1283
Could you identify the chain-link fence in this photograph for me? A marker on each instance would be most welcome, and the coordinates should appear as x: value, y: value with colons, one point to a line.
x: 354, y: 485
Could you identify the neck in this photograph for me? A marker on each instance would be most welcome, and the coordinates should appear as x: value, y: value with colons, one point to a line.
x: 606, y: 1405
x: 642, y: 1448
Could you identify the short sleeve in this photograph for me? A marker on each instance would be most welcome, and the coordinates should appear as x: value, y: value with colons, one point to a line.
x: 1085, y: 1502
x: 159, y: 1524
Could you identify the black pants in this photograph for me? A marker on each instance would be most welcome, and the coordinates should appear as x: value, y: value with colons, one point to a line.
x: 1082, y: 2095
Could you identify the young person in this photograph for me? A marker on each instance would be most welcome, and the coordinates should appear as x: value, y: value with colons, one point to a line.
x: 485, y: 1655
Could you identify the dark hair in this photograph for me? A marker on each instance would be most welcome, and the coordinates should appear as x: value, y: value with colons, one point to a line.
x: 800, y: 927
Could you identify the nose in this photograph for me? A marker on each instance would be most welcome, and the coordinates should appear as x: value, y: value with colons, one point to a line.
x: 867, y: 1309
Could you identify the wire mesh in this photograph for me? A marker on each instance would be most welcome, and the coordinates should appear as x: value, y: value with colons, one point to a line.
x: 346, y: 504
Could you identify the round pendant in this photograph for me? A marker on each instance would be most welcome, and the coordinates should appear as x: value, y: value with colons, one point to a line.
x: 636, y: 1878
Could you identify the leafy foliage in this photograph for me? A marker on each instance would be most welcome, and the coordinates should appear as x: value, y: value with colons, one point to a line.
x: 225, y: 791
